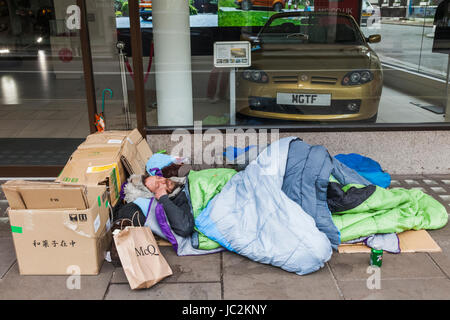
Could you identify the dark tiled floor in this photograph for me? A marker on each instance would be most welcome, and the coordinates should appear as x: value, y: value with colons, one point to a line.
x: 36, y: 152
x: 230, y: 276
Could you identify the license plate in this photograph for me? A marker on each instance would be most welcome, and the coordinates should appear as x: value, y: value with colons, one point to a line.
x: 304, y: 99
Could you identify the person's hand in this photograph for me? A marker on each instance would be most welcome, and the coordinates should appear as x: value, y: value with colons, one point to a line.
x: 161, y: 191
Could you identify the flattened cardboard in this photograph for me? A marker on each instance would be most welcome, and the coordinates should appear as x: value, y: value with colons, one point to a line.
x: 37, y: 195
x: 60, y: 241
x: 162, y: 242
x: 410, y: 241
x: 418, y: 241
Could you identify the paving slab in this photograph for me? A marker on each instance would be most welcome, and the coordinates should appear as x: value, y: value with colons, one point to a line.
x: 7, y: 255
x: 13, y: 286
x: 406, y: 289
x: 3, y: 206
x: 441, y: 236
x: 2, y: 194
x: 5, y: 228
x: 442, y: 259
x: 245, y: 279
x: 163, y: 291
x: 353, y: 266
x: 205, y: 268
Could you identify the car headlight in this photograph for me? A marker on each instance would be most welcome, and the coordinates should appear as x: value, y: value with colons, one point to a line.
x: 255, y: 75
x: 357, y: 77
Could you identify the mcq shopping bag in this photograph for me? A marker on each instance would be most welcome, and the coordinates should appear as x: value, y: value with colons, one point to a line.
x: 141, y: 259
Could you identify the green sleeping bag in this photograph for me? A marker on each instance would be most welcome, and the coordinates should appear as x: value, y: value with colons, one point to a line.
x: 390, y: 210
x: 203, y: 186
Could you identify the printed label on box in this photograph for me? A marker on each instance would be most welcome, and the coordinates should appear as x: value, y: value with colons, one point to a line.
x: 115, y: 141
x: 97, y: 223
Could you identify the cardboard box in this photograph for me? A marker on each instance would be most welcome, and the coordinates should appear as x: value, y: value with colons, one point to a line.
x: 410, y: 241
x: 59, y: 241
x: 105, y: 158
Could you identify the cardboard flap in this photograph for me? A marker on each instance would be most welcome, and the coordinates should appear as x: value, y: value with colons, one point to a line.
x: 135, y: 153
x: 13, y: 196
x: 53, y: 198
x: 134, y: 137
x: 38, y: 195
x: 111, y: 138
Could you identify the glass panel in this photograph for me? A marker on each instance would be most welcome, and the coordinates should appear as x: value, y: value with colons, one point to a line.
x: 431, y: 62
x: 41, y: 73
x: 111, y: 84
x: 413, y: 89
x: 315, y: 49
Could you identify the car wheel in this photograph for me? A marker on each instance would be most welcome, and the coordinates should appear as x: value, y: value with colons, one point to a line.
x: 278, y: 7
x: 246, y: 5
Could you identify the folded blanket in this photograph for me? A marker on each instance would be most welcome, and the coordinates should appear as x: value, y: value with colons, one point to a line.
x: 385, y: 241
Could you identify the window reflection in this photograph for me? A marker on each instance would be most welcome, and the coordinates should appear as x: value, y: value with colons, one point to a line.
x: 9, y: 90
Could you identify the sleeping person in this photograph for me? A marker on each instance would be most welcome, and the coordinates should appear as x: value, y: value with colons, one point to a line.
x: 164, y: 181
x: 168, y: 192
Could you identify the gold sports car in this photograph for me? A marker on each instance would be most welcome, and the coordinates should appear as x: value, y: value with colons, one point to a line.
x: 311, y: 66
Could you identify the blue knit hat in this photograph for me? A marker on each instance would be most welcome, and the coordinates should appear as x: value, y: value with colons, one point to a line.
x: 158, y: 161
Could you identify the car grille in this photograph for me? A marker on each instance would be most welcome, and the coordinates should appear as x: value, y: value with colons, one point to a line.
x: 285, y: 79
x: 270, y: 105
x: 314, y: 79
x: 323, y: 80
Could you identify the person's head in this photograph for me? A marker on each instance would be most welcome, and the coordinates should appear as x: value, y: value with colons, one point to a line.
x: 154, y: 183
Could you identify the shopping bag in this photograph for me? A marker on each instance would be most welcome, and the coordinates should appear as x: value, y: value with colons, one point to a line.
x: 141, y: 259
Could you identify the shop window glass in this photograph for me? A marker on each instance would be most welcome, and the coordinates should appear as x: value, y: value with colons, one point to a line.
x: 327, y: 53
x: 42, y: 88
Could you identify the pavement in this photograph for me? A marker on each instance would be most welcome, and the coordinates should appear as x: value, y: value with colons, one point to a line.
x: 413, y: 21
x: 228, y: 276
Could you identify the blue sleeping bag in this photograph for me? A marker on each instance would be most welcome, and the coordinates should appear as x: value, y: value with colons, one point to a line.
x: 308, y: 171
x: 253, y: 217
x: 366, y: 167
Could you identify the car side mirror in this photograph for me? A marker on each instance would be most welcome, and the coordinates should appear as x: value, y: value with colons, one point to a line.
x: 375, y: 38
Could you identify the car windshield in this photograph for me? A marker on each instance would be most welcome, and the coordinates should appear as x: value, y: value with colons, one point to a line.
x: 311, y: 29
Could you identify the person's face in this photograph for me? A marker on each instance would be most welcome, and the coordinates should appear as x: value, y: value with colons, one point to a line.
x: 154, y: 183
